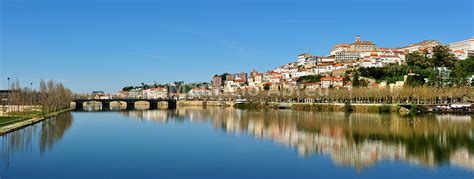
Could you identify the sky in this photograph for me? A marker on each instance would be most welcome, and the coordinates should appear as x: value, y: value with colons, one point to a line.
x: 106, y: 45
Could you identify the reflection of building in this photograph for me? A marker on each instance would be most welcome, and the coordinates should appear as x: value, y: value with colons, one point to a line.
x: 463, y: 158
x: 358, y: 140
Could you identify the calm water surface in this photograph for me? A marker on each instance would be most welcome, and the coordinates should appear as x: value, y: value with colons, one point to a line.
x: 230, y: 143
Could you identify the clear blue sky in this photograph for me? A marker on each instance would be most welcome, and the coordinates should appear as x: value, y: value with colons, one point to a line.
x: 105, y: 45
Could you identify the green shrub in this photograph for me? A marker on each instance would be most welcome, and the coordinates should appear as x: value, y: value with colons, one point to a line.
x: 348, y: 107
x: 384, y: 109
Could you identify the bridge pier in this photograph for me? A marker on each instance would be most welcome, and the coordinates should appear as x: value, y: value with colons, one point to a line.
x: 153, y: 105
x: 171, y: 104
x: 105, y: 106
x: 79, y: 105
x: 130, y: 105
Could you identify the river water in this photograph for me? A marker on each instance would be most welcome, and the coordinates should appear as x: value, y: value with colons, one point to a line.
x: 232, y: 143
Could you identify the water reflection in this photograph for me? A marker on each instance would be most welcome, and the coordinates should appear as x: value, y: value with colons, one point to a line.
x: 47, y: 133
x: 93, y: 106
x: 357, y: 140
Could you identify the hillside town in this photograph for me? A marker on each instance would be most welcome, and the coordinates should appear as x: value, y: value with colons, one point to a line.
x: 332, y: 68
x: 341, y: 68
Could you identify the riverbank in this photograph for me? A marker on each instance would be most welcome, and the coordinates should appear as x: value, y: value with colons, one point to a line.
x: 21, y: 122
x: 333, y: 107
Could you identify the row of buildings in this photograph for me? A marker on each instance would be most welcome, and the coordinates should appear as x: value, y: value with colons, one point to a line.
x: 332, y: 67
x: 341, y: 57
x: 167, y: 92
x: 164, y: 93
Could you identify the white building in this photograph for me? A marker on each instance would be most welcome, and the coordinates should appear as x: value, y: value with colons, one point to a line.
x: 370, y: 62
x: 231, y: 86
x: 135, y: 93
x: 326, y: 82
x: 463, y: 49
x: 328, y: 59
x: 323, y: 68
x: 386, y: 59
x: 426, y: 45
x: 347, y: 56
x: 155, y: 93
x: 303, y: 57
x: 199, y: 92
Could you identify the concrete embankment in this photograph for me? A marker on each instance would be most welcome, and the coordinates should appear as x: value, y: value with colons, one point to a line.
x: 205, y: 103
x: 15, y: 126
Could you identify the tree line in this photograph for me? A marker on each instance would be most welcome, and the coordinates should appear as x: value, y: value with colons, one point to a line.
x: 407, y: 95
x: 440, y: 68
x: 51, y: 96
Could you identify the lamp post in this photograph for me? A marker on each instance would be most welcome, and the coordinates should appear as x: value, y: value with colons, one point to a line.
x: 31, y: 92
x: 8, y: 93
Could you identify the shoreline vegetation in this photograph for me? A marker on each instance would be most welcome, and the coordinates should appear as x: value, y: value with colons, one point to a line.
x: 21, y: 107
x: 343, y: 107
x: 319, y: 107
x: 15, y: 122
x: 379, y: 100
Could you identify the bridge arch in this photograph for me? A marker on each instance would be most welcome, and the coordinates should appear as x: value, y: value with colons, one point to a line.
x: 118, y: 105
x: 142, y: 104
x: 88, y: 105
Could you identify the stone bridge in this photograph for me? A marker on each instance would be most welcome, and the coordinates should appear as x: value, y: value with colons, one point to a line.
x: 130, y: 102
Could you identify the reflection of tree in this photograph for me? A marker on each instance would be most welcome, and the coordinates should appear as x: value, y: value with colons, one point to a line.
x: 53, y: 130
x: 47, y: 133
x: 359, y: 140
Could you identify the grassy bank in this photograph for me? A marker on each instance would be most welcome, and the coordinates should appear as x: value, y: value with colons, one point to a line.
x: 16, y: 117
x: 5, y: 120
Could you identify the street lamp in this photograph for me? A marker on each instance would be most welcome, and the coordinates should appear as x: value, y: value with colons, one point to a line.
x: 31, y: 93
x: 8, y: 93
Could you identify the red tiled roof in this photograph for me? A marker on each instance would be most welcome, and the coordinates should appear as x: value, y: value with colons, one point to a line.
x: 157, y: 89
x: 328, y: 78
x: 388, y: 56
x: 196, y: 88
x: 342, y: 45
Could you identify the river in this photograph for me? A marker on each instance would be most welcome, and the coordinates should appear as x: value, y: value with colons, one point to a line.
x: 232, y: 143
